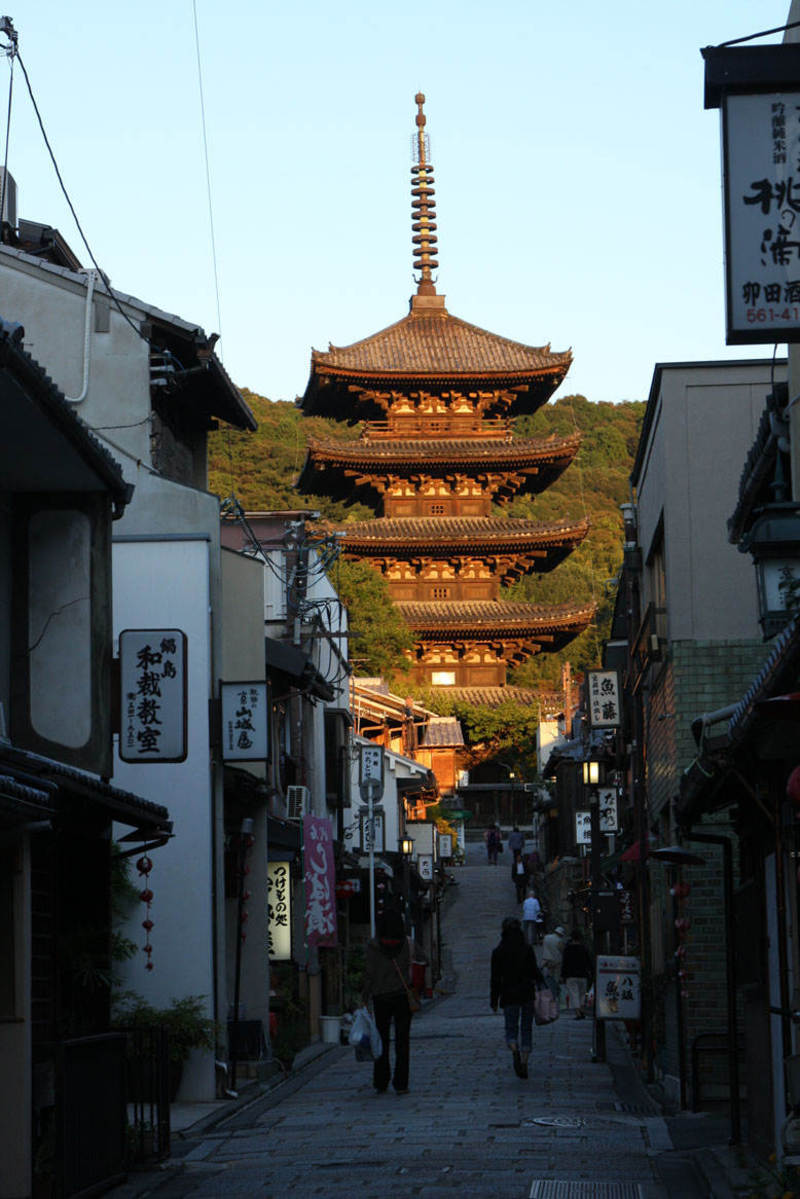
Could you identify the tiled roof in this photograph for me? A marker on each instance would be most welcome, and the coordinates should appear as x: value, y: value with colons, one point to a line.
x: 441, y: 732
x: 489, y: 615
x: 384, y: 455
x: 493, y: 697
x: 474, y: 531
x: 438, y: 343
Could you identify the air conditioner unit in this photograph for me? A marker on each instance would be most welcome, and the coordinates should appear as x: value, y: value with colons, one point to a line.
x: 297, y: 802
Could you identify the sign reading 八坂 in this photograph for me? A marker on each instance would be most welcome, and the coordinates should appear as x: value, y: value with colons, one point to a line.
x: 153, y: 686
x: 761, y: 155
x: 603, y: 690
x: 616, y: 988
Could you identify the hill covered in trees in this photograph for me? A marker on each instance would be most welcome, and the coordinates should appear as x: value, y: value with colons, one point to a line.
x: 260, y: 469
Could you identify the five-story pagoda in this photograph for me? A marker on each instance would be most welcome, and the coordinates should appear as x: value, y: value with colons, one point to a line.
x: 438, y: 398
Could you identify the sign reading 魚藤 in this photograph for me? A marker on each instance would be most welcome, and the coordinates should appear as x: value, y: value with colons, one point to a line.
x: 603, y: 693
x: 320, y: 880
x: 244, y: 722
x: 616, y: 988
x: 279, y: 911
x: 761, y: 156
x: 583, y: 827
x: 153, y: 686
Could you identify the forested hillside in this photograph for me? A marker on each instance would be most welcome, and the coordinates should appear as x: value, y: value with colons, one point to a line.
x: 260, y: 468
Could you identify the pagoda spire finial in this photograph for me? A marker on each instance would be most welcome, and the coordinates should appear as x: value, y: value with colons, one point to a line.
x: 423, y: 206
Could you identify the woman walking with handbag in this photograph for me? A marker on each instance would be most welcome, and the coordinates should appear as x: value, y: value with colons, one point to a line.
x: 387, y: 970
x: 515, y: 976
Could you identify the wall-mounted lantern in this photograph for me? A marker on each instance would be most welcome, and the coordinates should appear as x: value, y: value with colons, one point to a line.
x: 774, y: 542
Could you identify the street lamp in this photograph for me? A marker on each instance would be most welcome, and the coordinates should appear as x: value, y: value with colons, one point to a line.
x: 407, y: 847
x: 774, y: 543
x: 591, y: 773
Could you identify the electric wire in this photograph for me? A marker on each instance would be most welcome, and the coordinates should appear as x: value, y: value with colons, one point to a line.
x: 764, y: 33
x: 208, y: 169
x: 11, y: 55
x: 101, y: 273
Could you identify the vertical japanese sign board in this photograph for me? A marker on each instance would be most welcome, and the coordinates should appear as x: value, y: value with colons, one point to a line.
x: 617, y: 989
x: 279, y: 912
x: 245, y: 727
x: 153, y: 685
x: 320, y: 881
x: 603, y: 694
x: 757, y: 90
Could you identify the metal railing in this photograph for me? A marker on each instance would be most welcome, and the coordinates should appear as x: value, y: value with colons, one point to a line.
x: 147, y: 1093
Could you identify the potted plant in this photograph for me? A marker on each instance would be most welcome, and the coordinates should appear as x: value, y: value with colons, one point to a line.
x: 185, y: 1022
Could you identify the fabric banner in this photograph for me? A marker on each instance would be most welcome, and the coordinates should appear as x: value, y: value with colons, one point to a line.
x: 320, y: 880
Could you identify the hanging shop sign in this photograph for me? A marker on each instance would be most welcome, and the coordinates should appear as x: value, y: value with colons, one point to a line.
x: 756, y: 89
x: 603, y: 692
x: 371, y: 833
x: 425, y: 866
x: 320, y: 881
x: 244, y: 722
x: 617, y: 988
x: 607, y: 808
x: 445, y: 845
x: 583, y: 827
x: 279, y: 912
x: 153, y: 689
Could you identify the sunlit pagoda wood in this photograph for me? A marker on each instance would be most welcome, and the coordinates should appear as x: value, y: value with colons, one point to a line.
x: 437, y: 398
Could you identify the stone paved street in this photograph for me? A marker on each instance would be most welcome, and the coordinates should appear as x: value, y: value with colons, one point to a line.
x: 468, y: 1127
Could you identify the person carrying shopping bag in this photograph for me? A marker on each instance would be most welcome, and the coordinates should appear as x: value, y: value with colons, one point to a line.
x: 387, y: 972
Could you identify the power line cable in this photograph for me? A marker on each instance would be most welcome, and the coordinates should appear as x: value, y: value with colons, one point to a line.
x: 79, y: 227
x: 208, y: 169
x: 764, y: 33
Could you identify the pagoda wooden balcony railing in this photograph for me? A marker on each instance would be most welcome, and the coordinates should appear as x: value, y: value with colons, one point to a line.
x: 648, y: 648
x: 443, y: 427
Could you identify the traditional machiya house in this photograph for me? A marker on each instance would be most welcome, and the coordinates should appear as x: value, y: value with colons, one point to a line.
x: 149, y: 385
x: 437, y: 398
x: 62, y: 1113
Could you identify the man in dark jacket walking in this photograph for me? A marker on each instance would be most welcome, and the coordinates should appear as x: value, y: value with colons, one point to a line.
x: 515, y: 976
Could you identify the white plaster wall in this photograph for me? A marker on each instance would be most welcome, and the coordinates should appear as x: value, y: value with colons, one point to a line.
x: 52, y: 309
x: 166, y: 584
x: 704, y: 424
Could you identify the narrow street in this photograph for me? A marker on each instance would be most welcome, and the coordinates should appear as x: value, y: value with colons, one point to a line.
x: 468, y: 1127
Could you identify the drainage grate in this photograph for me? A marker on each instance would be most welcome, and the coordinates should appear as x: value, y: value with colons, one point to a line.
x: 551, y: 1189
x: 558, y: 1121
x: 635, y: 1109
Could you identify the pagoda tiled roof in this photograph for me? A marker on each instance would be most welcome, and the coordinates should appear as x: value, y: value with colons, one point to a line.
x: 430, y: 344
x: 441, y: 533
x: 438, y: 343
x: 386, y: 455
x: 481, y: 617
x: 539, y: 460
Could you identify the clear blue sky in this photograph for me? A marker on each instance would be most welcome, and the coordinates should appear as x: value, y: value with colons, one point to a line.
x: 577, y: 173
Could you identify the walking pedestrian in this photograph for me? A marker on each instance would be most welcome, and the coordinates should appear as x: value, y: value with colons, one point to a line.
x: 576, y: 970
x: 552, y: 953
x: 494, y: 844
x: 518, y: 875
x: 516, y: 840
x: 515, y: 975
x: 387, y: 971
x: 531, y: 913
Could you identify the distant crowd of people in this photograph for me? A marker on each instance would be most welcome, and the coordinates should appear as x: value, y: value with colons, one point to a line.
x: 516, y: 972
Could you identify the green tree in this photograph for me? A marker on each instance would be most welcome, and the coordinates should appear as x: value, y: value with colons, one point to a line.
x: 379, y: 636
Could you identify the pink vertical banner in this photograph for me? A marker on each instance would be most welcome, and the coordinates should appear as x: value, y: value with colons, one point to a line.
x: 320, y: 879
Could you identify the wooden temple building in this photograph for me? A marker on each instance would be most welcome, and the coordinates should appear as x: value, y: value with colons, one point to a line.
x: 437, y: 454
